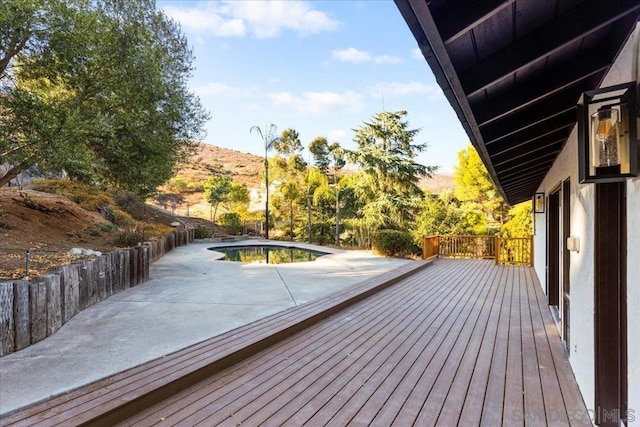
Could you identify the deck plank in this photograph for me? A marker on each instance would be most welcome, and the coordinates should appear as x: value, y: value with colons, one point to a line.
x: 474, y: 400
x: 463, y: 342
x: 492, y: 410
x: 573, y: 402
x: 464, y: 348
x: 473, y: 359
x: 534, y: 412
x: 447, y: 292
x: 555, y: 412
x: 299, y: 407
x: 513, y: 412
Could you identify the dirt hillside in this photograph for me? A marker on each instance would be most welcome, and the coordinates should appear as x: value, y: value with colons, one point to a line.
x: 49, y: 225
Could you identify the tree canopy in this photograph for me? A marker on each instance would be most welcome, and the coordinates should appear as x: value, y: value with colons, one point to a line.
x: 476, y: 190
x: 95, y: 88
x: 386, y: 153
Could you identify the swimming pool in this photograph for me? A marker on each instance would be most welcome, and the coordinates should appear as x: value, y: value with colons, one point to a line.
x: 268, y: 254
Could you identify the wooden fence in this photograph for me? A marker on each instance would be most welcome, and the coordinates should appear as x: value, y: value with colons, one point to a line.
x: 506, y: 251
x: 32, y: 310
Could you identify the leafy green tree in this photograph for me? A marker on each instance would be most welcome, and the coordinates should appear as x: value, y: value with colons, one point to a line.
x: 357, y: 191
x: 290, y: 192
x: 289, y: 168
x: 217, y: 189
x: 238, y: 200
x: 520, y: 223
x: 317, y: 190
x: 289, y: 143
x: 97, y: 88
x: 269, y: 139
x: 476, y: 190
x: 386, y: 152
x: 440, y: 214
x: 330, y: 159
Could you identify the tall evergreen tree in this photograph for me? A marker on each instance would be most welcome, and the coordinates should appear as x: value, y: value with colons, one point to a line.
x: 386, y: 152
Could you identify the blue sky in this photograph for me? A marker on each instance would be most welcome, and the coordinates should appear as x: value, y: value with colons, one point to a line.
x: 320, y: 67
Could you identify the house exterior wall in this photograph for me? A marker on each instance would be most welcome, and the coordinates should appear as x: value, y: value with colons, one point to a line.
x: 581, y: 351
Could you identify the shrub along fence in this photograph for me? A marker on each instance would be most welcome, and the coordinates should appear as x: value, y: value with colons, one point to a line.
x: 32, y: 310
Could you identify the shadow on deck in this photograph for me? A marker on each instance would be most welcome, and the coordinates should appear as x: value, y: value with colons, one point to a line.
x: 463, y: 342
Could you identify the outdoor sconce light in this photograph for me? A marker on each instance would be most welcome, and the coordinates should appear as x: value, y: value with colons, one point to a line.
x: 573, y: 244
x: 538, y: 203
x: 607, y: 134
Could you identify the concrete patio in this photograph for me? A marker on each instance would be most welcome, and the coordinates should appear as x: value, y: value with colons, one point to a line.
x: 189, y: 298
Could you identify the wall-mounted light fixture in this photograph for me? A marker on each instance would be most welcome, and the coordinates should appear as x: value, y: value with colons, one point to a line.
x: 538, y: 203
x: 573, y: 244
x: 607, y: 134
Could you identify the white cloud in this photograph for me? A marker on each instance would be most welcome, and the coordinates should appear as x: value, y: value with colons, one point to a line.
x: 387, y: 59
x: 207, y: 19
x: 412, y: 88
x: 417, y: 53
x: 352, y: 54
x: 319, y: 103
x: 262, y: 19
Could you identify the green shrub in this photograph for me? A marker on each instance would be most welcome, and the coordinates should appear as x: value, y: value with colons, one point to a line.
x: 202, y: 232
x: 394, y: 243
x: 90, y: 198
x: 123, y: 219
x: 231, y: 222
x: 128, y: 238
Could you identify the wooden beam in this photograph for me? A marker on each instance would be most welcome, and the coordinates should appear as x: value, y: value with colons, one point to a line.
x: 528, y: 150
x: 455, y: 18
x: 575, y: 24
x: 534, y: 156
x: 529, y: 132
x: 509, y: 177
x: 566, y: 76
x: 519, y: 148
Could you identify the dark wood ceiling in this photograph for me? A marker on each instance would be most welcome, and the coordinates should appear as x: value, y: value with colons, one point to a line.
x: 513, y: 70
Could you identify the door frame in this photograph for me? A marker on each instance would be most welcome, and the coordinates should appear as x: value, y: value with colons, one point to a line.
x: 553, y: 249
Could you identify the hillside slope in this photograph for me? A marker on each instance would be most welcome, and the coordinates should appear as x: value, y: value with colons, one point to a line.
x: 247, y: 169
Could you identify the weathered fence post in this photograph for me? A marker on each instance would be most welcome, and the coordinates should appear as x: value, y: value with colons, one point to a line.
x: 21, y: 314
x: 54, y: 302
x: 38, y: 310
x: 7, y: 333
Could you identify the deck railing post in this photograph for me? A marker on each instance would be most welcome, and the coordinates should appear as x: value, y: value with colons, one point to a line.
x: 497, y: 246
x: 530, y: 251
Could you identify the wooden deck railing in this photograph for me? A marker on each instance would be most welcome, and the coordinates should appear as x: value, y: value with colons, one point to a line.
x: 430, y: 246
x: 506, y: 251
x: 515, y: 251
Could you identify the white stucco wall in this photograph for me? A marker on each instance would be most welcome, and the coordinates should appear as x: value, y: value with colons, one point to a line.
x: 581, y: 272
x: 582, y: 263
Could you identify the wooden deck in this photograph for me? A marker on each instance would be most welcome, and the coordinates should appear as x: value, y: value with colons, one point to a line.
x: 462, y: 342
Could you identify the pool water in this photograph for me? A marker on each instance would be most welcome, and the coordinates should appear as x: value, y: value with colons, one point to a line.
x: 268, y: 254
